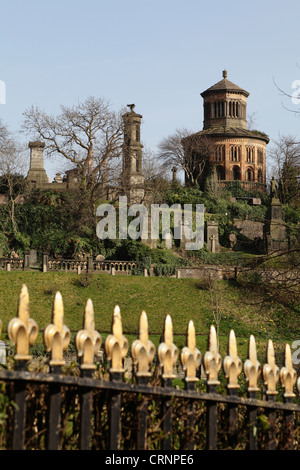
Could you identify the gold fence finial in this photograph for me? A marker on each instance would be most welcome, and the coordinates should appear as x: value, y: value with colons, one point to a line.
x: 23, y: 331
x: 57, y: 335
x: 143, y: 350
x: 271, y: 370
x: 167, y: 351
x: 212, y: 359
x: 116, y: 345
x: 252, y: 367
x: 88, y: 340
x: 190, y: 356
x: 232, y: 364
x: 288, y: 375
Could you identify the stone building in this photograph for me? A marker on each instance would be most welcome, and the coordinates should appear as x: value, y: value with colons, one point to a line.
x: 236, y: 153
x: 132, y: 179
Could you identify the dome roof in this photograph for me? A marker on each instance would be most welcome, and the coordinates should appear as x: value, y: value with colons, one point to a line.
x: 224, y: 85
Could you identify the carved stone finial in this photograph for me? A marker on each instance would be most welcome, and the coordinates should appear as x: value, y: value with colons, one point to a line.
x: 212, y: 359
x: 224, y: 73
x: 190, y: 355
x: 57, y: 335
x: 143, y: 350
x: 271, y: 371
x: 131, y: 106
x: 167, y: 351
x: 88, y: 340
x: 252, y: 367
x: 116, y: 345
x: 232, y: 363
x: 288, y: 375
x: 23, y: 331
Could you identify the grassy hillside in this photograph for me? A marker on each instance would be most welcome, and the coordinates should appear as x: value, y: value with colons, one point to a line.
x: 241, y: 309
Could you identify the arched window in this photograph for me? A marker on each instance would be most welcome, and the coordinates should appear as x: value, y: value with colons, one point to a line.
x: 220, y: 172
x: 260, y: 156
x: 236, y: 173
x: 249, y: 174
x: 260, y: 177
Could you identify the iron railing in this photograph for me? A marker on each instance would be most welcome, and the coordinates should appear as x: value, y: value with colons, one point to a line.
x: 89, y: 406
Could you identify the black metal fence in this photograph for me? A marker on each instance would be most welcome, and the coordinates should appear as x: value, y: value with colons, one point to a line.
x: 94, y: 404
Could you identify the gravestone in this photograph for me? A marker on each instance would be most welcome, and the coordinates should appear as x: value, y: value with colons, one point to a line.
x: 169, y: 241
x: 33, y: 259
x: 212, y: 237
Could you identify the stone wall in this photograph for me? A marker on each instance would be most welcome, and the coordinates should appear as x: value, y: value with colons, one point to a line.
x: 206, y: 271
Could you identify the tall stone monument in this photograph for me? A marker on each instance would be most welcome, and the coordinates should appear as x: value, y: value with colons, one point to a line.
x: 37, y: 174
x: 132, y: 174
x: 275, y: 235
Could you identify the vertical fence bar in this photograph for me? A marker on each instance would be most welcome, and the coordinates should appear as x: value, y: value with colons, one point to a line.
x: 232, y: 367
x: 212, y: 363
x: 115, y: 415
x: 211, y: 420
x: 167, y: 354
x: 116, y: 347
x: 86, y: 400
x: 54, y: 412
x: 88, y: 343
x: 288, y: 426
x: 142, y: 419
x: 191, y: 360
x: 20, y: 409
x: 233, y: 421
x: 252, y: 370
x: 271, y: 414
x: 252, y: 414
x: 56, y: 337
x: 166, y: 443
x: 142, y: 351
x: 191, y: 419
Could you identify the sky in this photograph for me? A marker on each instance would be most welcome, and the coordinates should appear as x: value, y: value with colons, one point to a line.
x: 159, y: 55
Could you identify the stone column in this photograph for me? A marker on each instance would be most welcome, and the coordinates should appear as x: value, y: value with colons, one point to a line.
x: 26, y: 261
x: 45, y: 261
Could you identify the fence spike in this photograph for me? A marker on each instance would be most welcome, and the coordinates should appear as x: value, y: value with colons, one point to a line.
x: 88, y: 340
x: 23, y: 331
x: 143, y: 350
x: 212, y: 359
x: 116, y: 345
x: 57, y: 335
x: 271, y: 370
x: 288, y: 375
x: 190, y: 355
x: 252, y: 367
x: 167, y: 351
x: 232, y: 364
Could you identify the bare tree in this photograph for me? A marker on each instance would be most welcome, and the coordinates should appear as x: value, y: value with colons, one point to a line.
x: 187, y: 151
x: 87, y: 135
x: 12, y: 170
x: 285, y: 158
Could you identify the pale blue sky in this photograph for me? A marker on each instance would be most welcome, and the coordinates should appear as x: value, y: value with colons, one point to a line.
x: 159, y: 55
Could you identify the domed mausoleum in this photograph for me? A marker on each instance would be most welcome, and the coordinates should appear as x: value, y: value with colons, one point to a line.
x: 233, y: 151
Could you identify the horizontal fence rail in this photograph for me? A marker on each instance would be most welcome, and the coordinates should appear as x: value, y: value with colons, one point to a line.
x: 91, y: 406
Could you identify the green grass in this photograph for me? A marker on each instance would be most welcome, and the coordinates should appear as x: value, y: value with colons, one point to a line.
x: 183, y: 299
